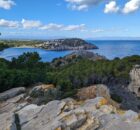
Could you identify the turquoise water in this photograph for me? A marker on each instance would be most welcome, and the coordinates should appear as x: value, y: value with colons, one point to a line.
x: 110, y: 49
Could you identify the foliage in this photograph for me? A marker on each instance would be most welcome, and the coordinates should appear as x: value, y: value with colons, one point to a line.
x: 17, y: 43
x: 116, y: 98
x: 27, y: 69
x: 23, y: 71
x: 3, y: 46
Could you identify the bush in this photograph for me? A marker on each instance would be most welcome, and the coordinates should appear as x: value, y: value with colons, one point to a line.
x: 27, y: 69
x: 3, y: 46
x: 116, y: 98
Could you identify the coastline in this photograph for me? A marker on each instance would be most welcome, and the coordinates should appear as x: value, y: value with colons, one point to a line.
x: 24, y: 47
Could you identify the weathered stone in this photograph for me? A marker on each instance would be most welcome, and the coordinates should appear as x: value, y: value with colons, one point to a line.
x: 7, y: 121
x: 130, y: 116
x: 11, y: 93
x: 107, y: 109
x: 40, y: 90
x: 134, y: 86
x: 28, y: 113
x: 7, y: 107
x: 92, y: 104
x: 43, y: 93
x: 94, y: 91
x: 106, y: 119
x: 90, y: 124
x: 70, y: 104
x: 72, y: 121
x: 13, y: 104
x: 41, y: 119
x: 121, y: 125
x: 68, y: 114
x: 16, y: 99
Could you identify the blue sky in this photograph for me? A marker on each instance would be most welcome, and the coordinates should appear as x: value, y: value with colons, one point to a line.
x: 69, y: 18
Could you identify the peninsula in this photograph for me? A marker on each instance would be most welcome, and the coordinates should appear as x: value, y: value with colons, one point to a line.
x: 66, y: 44
x: 53, y: 45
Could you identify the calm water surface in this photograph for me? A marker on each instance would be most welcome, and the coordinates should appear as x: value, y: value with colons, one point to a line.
x: 110, y: 49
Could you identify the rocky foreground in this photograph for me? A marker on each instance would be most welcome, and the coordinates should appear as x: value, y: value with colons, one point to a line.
x: 66, y: 44
x: 93, y: 110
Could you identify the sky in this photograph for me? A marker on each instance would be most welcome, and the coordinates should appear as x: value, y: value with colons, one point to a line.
x: 88, y: 19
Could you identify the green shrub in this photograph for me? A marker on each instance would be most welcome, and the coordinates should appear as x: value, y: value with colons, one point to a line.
x: 116, y: 98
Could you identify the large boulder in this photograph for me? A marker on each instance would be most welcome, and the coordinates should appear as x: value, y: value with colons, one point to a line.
x: 43, y: 93
x: 93, y: 91
x: 11, y: 93
x: 134, y: 85
x: 41, y: 89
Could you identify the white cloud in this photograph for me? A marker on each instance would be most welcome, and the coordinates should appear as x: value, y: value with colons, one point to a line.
x: 28, y: 24
x: 6, y: 23
x: 131, y: 6
x: 6, y: 4
x: 79, y: 8
x: 74, y: 27
x: 111, y: 7
x: 52, y: 26
x: 82, y: 4
x: 98, y: 30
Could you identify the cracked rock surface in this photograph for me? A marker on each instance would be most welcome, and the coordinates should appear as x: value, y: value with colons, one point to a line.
x: 67, y: 114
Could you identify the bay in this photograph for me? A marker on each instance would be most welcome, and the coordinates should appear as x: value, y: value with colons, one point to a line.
x: 110, y: 49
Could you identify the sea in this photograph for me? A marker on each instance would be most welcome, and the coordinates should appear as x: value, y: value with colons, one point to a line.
x: 108, y: 48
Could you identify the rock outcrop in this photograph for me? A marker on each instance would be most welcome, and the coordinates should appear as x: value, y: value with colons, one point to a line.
x: 134, y: 86
x: 7, y: 121
x: 66, y: 44
x: 43, y: 93
x: 89, y: 113
x: 93, y: 92
x: 12, y: 100
x: 69, y: 114
x: 75, y: 56
x: 85, y: 54
x: 11, y: 93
